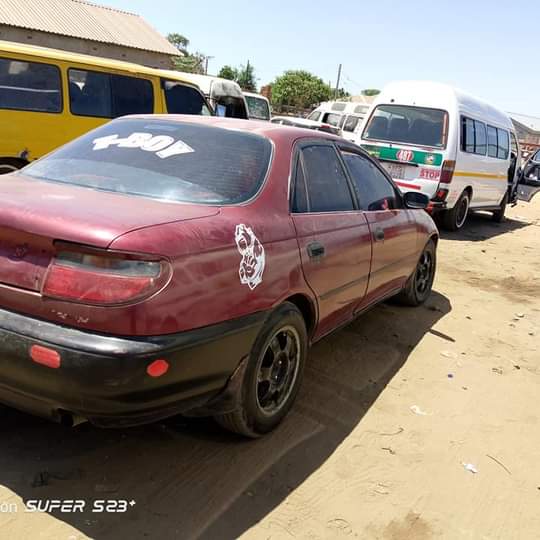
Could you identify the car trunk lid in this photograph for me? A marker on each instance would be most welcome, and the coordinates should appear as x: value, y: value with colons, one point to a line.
x: 34, y: 214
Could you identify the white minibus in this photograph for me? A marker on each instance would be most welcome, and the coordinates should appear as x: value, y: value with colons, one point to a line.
x: 435, y: 139
x: 344, y: 115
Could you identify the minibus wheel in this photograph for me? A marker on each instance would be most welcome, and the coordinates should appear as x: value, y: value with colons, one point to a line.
x: 10, y: 165
x: 498, y: 215
x: 455, y: 218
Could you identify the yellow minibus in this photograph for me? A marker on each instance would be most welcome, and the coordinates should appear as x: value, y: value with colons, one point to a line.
x: 48, y: 97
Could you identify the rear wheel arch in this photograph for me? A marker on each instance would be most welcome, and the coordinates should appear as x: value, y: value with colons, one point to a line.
x: 307, y: 309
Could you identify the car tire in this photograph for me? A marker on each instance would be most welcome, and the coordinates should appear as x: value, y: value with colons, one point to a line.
x: 9, y: 166
x: 498, y: 215
x: 455, y: 218
x: 273, y: 374
x: 418, y: 287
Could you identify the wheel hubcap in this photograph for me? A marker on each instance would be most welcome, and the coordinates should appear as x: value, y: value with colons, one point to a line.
x: 424, y: 273
x: 278, y: 369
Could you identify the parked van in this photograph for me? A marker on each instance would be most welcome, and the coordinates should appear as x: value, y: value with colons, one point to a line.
x: 457, y: 149
x: 344, y: 115
x: 258, y: 106
x: 225, y: 96
x: 48, y: 97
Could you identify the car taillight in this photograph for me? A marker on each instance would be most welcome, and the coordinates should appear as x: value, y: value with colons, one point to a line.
x: 95, y: 278
x: 447, y: 171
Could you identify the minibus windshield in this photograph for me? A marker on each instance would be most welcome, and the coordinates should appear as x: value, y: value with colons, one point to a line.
x: 418, y: 126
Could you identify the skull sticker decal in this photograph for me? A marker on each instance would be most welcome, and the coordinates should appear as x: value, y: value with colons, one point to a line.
x: 253, y: 258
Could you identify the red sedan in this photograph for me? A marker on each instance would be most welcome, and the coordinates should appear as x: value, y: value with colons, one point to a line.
x: 162, y: 265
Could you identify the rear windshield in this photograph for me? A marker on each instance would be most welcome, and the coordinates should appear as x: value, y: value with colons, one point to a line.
x: 258, y: 108
x: 160, y: 159
x: 419, y: 126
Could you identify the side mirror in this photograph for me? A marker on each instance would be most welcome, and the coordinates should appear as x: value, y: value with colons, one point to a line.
x: 415, y: 200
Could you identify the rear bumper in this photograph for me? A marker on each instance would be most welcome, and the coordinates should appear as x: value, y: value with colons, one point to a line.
x: 104, y: 378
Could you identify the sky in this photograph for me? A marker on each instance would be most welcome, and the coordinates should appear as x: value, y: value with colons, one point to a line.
x: 483, y: 47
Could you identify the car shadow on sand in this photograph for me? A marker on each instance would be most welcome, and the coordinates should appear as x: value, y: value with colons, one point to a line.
x: 189, y: 478
x: 480, y: 226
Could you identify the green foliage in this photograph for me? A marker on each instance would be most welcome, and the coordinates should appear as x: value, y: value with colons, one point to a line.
x: 189, y: 62
x: 370, y: 92
x: 246, y: 78
x: 300, y: 89
x: 228, y: 72
x: 343, y: 94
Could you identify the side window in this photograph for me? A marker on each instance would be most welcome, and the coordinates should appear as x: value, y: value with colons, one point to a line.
x: 492, y: 141
x: 480, y: 138
x: 467, y: 135
x: 90, y: 93
x: 30, y: 86
x: 351, y: 123
x: 373, y: 188
x: 182, y: 99
x: 131, y: 95
x: 299, y: 202
x: 327, y: 186
x: 315, y: 115
x: 503, y: 144
x: 332, y: 118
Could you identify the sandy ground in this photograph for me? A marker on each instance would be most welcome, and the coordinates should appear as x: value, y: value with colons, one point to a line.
x: 353, y: 459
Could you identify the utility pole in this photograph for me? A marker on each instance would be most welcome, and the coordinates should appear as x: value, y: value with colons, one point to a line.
x: 206, y: 58
x: 337, y: 82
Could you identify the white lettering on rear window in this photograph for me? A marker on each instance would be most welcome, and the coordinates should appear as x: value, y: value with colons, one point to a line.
x: 163, y: 146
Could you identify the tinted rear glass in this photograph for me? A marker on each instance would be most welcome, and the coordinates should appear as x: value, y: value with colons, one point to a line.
x: 413, y: 125
x: 162, y: 160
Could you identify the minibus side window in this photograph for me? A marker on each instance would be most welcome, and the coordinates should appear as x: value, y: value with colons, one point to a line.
x: 183, y: 99
x: 503, y: 144
x: 480, y: 138
x: 467, y: 135
x: 90, y: 93
x: 104, y: 95
x: 30, y: 86
x: 131, y: 95
x: 492, y: 141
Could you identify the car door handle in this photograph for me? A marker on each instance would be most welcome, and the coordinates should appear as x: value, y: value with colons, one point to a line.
x: 315, y: 249
x: 379, y: 235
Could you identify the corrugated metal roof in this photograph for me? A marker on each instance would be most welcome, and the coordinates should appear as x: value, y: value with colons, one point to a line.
x: 531, y: 122
x: 80, y: 19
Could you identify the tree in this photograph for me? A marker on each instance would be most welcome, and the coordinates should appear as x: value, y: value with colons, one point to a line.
x: 370, y: 92
x: 343, y: 94
x: 300, y: 89
x: 188, y: 62
x: 228, y: 72
x: 246, y: 78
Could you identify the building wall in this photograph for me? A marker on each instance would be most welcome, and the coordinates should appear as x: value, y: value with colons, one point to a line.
x: 103, y: 50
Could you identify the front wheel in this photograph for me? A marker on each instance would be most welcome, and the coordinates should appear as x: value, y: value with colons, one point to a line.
x: 454, y: 218
x: 498, y: 215
x: 418, y: 288
x: 273, y: 375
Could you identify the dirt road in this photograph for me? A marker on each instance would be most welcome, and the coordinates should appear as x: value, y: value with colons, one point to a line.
x: 353, y: 460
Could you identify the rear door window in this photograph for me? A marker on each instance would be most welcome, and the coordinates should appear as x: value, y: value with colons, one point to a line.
x: 106, y: 95
x: 172, y: 161
x: 184, y: 99
x: 327, y: 185
x: 30, y: 86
